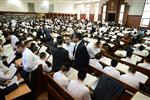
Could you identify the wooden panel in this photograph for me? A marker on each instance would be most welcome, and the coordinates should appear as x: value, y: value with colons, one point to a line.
x: 82, y: 16
x: 91, y: 17
x: 133, y: 20
x: 100, y: 17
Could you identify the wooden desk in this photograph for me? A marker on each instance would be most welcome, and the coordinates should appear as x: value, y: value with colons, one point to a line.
x: 20, y: 91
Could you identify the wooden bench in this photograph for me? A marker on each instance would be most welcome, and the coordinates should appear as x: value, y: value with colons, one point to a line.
x: 54, y: 90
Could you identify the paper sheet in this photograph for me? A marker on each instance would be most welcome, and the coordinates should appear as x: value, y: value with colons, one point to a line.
x: 122, y: 67
x: 12, y: 70
x: 43, y: 48
x: 29, y: 38
x: 141, y: 77
x: 50, y: 59
x: 105, y: 60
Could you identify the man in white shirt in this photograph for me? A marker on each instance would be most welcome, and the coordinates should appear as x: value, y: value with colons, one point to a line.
x: 60, y: 77
x: 111, y: 70
x: 29, y: 60
x: 42, y: 61
x: 13, y: 39
x: 69, y: 46
x: 129, y: 78
x: 95, y: 62
x: 146, y: 63
x: 78, y: 89
x: 94, y: 48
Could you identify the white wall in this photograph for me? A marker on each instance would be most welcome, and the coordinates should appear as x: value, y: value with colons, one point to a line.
x: 136, y: 7
x: 6, y: 5
x: 64, y: 7
x: 22, y: 6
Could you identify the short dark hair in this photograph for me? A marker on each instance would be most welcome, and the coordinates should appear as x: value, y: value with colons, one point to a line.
x: 78, y: 35
x: 147, y: 59
x: 129, y: 53
x: 19, y: 44
x: 98, y: 56
x: 64, y: 68
x: 132, y: 70
x: 81, y: 75
x: 141, y: 47
x: 60, y: 40
x: 114, y: 63
x: 42, y: 54
x: 34, y: 48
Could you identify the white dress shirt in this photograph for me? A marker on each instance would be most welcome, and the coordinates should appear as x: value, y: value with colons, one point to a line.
x: 145, y: 65
x: 14, y: 39
x: 95, y: 63
x: 60, y: 78
x: 70, y: 49
x: 78, y: 90
x: 130, y: 79
x: 29, y: 60
x: 45, y: 67
x: 112, y: 72
x: 92, y: 50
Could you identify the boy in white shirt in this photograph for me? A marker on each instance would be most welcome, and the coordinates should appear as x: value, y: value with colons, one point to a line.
x: 95, y: 62
x: 42, y: 61
x: 129, y: 78
x: 111, y: 70
x: 78, y: 89
x: 60, y: 77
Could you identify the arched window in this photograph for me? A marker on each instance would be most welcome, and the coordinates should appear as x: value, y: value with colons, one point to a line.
x: 121, y: 14
x: 104, y: 13
x: 146, y: 15
x: 88, y: 11
x: 96, y: 12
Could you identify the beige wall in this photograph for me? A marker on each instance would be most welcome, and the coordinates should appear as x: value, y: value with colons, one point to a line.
x: 59, y: 6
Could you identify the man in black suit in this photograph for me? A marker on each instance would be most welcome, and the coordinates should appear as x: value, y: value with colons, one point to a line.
x: 40, y: 34
x: 60, y: 56
x: 80, y: 53
x: 48, y: 38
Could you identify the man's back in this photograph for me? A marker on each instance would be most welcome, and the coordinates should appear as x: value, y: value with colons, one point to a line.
x: 60, y: 57
x: 78, y: 90
x: 81, y: 57
x: 112, y: 71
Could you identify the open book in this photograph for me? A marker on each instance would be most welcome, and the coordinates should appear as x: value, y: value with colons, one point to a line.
x: 8, y: 50
x: 43, y: 48
x: 10, y: 58
x: 90, y: 80
x: 141, y: 77
x: 12, y: 70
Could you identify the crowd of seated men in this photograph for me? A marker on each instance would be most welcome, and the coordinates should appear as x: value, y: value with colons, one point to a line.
x: 71, y: 43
